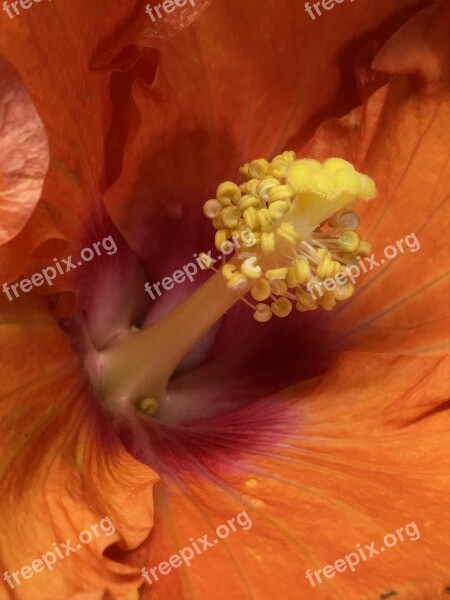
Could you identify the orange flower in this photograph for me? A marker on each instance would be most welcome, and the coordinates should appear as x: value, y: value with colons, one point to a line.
x: 327, y: 430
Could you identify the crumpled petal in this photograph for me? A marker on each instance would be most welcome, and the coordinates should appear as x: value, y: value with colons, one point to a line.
x: 23, y: 154
x: 345, y: 462
x: 62, y: 468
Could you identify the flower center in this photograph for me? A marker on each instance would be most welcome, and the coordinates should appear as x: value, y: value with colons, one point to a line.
x: 304, y: 231
x: 296, y: 223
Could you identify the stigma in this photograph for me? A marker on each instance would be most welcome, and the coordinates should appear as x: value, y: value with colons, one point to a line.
x: 301, y: 215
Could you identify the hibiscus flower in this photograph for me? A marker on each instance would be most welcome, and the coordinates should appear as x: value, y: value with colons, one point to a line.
x: 308, y: 437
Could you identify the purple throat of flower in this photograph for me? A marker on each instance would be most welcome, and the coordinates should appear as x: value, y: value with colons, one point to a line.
x: 187, y: 378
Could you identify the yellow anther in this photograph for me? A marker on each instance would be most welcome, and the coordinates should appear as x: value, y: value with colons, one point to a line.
x: 280, y: 163
x: 261, y: 289
x: 262, y: 313
x: 325, y: 268
x: 328, y: 268
x: 228, y: 271
x: 364, y: 249
x: 289, y: 156
x: 218, y: 223
x: 212, y: 208
x: 244, y: 170
x: 327, y: 300
x: 344, y: 292
x: 265, y: 219
x: 250, y: 269
x: 259, y: 168
x: 245, y: 255
x: 268, y: 244
x: 227, y: 193
x: 302, y: 308
x: 252, y: 240
x: 323, y: 253
x: 265, y: 185
x: 281, y: 307
x: 349, y: 241
x: 291, y: 278
x: 278, y: 287
x: 305, y: 300
x: 279, y: 168
x: 251, y: 218
x: 249, y: 200
x: 347, y: 219
x: 238, y: 282
x: 250, y: 187
x: 281, y: 192
x: 288, y: 233
x: 206, y: 260
x: 302, y: 269
x: 333, y: 165
x: 279, y: 208
x: 299, y: 173
x: 220, y: 238
x: 230, y: 216
x: 148, y: 406
x: 276, y: 273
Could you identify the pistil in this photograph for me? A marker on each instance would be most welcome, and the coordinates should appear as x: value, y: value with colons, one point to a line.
x: 140, y: 367
x: 299, y: 214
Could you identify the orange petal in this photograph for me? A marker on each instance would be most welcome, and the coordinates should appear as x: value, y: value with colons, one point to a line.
x: 40, y: 232
x: 63, y: 469
x: 401, y: 137
x: 347, y: 462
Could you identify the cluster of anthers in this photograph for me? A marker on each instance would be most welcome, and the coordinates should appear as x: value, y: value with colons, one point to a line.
x: 304, y: 230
